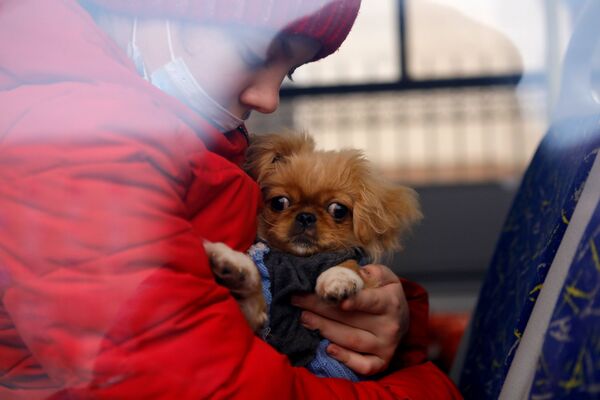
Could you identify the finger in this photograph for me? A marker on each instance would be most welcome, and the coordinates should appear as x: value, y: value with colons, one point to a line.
x: 378, y: 275
x: 375, y: 300
x: 314, y: 303
x: 344, y: 335
x: 364, y: 364
x: 323, y: 308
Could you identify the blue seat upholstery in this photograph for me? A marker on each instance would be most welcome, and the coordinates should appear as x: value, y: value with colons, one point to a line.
x: 569, y: 364
x: 522, y: 302
x: 529, y: 240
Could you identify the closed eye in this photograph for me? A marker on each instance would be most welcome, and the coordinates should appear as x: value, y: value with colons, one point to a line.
x: 290, y: 73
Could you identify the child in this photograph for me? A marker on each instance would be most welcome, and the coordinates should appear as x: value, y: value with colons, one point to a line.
x: 124, y: 137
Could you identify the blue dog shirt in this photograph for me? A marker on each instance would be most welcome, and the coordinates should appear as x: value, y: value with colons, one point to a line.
x: 284, y: 275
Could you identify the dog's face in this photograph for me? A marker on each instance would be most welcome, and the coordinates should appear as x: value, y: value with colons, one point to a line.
x: 316, y: 201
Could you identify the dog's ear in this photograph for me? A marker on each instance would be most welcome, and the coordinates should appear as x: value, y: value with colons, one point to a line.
x: 383, y: 213
x: 265, y: 151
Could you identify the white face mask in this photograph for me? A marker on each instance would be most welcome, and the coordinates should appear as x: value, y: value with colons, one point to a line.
x: 176, y: 79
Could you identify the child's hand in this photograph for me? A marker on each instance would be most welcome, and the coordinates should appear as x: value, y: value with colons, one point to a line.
x: 366, y: 329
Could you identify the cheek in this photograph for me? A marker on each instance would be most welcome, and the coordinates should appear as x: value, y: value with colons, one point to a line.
x: 225, y: 86
x: 222, y: 76
x: 331, y: 232
x: 274, y: 225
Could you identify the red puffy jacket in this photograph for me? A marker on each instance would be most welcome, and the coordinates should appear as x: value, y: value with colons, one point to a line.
x: 107, y: 186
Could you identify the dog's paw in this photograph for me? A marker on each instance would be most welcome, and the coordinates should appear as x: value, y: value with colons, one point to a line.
x: 233, y: 269
x: 338, y: 283
x: 254, y: 309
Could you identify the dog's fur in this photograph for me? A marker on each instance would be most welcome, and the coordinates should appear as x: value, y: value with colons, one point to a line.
x: 321, y: 201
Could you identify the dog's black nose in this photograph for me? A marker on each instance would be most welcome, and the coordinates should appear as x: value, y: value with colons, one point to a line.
x: 306, y: 219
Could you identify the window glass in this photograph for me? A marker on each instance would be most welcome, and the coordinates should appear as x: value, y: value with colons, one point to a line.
x: 453, y: 38
x: 370, y: 54
x: 436, y: 134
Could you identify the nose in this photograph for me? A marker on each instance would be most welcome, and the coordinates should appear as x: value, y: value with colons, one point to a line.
x: 262, y: 95
x: 306, y: 219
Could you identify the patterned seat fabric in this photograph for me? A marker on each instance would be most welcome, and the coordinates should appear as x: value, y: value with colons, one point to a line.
x: 527, y: 246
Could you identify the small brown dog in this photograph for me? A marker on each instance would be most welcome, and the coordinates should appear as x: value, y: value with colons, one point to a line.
x: 315, y: 201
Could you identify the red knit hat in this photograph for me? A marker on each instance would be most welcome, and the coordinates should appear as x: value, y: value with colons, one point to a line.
x: 327, y: 21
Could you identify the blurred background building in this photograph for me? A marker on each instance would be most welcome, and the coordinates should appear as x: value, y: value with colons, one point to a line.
x: 450, y: 97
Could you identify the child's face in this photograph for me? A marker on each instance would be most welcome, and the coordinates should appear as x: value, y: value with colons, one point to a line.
x: 242, y: 70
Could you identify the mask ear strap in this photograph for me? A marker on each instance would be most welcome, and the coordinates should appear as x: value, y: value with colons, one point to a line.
x: 170, y: 41
x: 134, y: 52
x: 134, y: 32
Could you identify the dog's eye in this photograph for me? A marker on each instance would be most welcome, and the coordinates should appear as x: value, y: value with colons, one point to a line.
x: 280, y: 203
x: 337, y: 211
